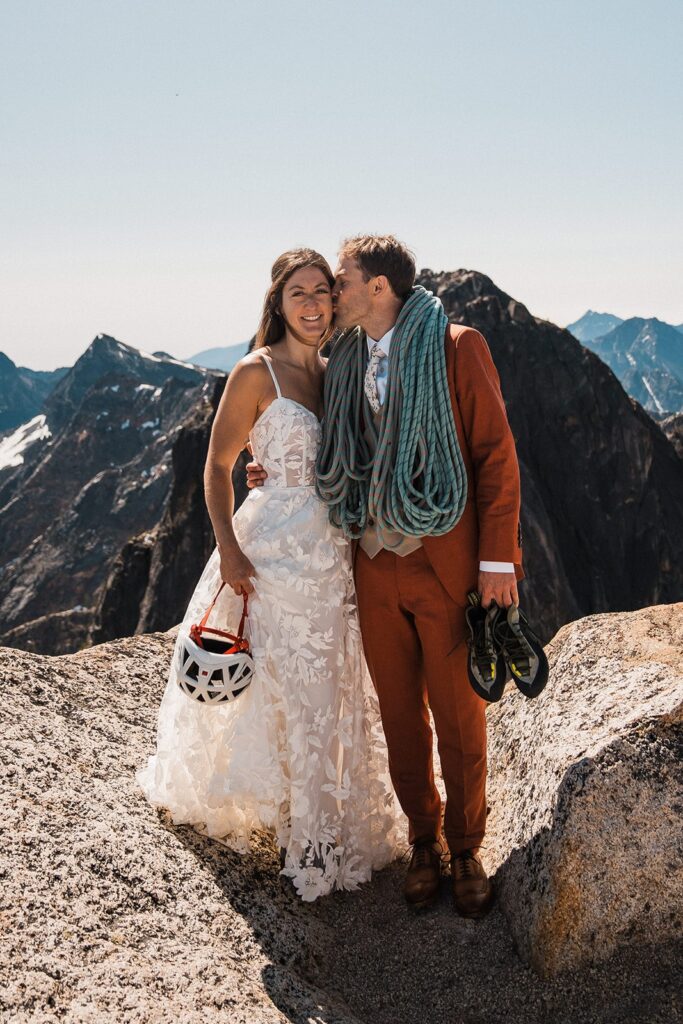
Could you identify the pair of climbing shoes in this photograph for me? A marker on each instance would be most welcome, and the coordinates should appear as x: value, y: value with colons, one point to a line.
x: 503, y: 646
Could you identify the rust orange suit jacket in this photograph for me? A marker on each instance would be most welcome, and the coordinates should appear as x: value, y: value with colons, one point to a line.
x: 489, y: 528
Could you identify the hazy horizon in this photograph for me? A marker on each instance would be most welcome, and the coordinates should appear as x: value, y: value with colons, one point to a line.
x: 158, y: 157
x: 245, y: 341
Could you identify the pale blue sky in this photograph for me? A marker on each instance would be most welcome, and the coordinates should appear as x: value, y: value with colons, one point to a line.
x: 155, y: 157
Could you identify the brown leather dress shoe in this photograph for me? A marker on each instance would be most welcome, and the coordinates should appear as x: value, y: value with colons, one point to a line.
x: 472, y: 888
x: 421, y: 886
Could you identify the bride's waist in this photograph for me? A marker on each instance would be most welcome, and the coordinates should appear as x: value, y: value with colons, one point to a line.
x: 276, y: 487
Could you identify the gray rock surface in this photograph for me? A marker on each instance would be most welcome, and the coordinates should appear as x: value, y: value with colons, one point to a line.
x: 586, y: 792
x: 673, y: 428
x: 111, y: 913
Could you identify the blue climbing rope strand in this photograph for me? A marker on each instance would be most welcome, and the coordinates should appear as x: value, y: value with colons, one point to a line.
x: 417, y: 482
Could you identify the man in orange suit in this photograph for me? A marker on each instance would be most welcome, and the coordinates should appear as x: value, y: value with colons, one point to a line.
x: 412, y: 589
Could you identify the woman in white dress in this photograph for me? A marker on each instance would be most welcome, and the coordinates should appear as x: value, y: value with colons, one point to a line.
x: 300, y: 752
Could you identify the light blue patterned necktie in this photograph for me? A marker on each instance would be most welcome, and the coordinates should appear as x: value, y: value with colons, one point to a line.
x: 370, y: 384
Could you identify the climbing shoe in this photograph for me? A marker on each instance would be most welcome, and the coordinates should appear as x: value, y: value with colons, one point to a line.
x: 521, y: 649
x: 486, y: 668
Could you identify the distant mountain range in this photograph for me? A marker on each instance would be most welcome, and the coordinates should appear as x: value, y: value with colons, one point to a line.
x: 593, y: 325
x: 645, y: 354
x: 104, y: 529
x: 220, y: 358
x: 23, y: 391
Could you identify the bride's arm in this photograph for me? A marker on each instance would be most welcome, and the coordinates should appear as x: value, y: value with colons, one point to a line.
x: 236, y: 414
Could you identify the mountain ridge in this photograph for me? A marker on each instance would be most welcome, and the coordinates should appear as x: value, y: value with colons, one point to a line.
x: 592, y: 324
x: 646, y: 354
x: 220, y: 357
x: 121, y: 513
x: 23, y: 392
x: 97, y: 472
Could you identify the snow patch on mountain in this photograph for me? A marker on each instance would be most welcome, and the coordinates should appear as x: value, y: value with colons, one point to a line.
x: 657, y: 404
x: 12, y: 448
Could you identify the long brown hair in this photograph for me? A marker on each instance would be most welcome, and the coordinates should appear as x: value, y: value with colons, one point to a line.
x: 272, y: 326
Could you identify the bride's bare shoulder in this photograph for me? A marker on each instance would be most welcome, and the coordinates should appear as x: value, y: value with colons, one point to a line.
x: 250, y: 372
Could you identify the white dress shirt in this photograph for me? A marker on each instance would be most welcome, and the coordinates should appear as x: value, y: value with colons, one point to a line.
x: 382, y: 375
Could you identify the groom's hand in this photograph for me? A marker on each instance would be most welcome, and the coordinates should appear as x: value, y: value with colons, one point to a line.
x: 500, y: 587
x: 256, y: 474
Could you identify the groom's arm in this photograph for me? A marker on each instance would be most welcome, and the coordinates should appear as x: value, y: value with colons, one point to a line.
x: 492, y: 449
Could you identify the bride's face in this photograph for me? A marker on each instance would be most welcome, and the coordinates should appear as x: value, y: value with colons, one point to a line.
x: 307, y: 304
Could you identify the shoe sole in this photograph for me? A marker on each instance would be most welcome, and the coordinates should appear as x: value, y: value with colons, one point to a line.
x: 475, y: 615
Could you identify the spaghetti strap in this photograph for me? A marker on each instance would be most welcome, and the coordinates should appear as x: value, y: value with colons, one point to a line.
x: 269, y: 363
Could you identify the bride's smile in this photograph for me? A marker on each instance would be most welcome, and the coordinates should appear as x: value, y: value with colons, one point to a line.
x: 307, y: 306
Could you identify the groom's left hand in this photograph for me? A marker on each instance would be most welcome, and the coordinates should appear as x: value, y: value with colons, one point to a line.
x: 500, y: 587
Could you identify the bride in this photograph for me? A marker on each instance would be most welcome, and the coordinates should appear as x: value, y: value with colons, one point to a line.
x: 301, y: 752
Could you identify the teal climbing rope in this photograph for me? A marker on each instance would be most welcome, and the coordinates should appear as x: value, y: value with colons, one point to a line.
x: 416, y: 483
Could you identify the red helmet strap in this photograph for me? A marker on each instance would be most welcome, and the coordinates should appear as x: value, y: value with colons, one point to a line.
x: 202, y: 627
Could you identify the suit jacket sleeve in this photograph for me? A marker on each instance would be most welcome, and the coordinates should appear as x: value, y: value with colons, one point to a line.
x: 492, y: 450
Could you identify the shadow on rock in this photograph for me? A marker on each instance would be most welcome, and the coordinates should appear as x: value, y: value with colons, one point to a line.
x: 294, y: 943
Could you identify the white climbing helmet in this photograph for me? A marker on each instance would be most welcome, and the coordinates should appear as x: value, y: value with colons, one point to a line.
x: 213, y: 671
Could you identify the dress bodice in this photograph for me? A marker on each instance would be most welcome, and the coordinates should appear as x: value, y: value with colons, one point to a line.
x: 285, y: 441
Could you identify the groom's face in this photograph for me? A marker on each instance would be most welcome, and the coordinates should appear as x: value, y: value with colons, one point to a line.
x: 351, y: 294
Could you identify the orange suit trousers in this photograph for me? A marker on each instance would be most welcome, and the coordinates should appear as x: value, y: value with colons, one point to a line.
x: 414, y: 637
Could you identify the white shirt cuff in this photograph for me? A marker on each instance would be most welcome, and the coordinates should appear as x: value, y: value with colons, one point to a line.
x: 496, y: 567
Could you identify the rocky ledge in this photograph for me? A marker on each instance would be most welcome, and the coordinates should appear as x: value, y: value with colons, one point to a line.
x: 586, y: 791
x: 110, y: 912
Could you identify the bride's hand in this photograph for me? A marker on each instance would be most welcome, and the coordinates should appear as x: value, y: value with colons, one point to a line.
x: 237, y: 570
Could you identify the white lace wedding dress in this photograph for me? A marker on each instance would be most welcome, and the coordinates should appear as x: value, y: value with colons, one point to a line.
x: 301, y: 751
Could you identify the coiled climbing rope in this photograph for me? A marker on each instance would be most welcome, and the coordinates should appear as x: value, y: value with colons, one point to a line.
x: 416, y: 483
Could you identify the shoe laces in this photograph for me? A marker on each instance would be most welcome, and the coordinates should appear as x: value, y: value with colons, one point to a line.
x: 511, y: 639
x: 465, y: 863
x: 421, y: 854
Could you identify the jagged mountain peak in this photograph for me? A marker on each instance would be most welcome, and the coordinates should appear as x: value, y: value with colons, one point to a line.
x: 593, y: 324
x: 646, y: 354
x: 105, y: 345
x: 468, y: 293
x: 474, y: 280
x: 107, y: 356
x: 7, y: 366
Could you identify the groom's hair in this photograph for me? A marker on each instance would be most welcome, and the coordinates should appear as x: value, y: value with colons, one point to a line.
x: 385, y: 255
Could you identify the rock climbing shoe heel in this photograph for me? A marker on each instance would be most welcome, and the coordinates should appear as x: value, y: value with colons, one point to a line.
x: 522, y: 651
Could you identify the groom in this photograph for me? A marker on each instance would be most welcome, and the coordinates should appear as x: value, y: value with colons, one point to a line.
x: 412, y: 580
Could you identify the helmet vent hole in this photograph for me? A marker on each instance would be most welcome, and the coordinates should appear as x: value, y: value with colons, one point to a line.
x: 192, y: 670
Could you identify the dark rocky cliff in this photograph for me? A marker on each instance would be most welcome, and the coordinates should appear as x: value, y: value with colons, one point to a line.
x: 602, y: 487
x: 153, y: 576
x: 102, y: 476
